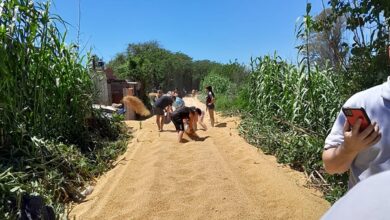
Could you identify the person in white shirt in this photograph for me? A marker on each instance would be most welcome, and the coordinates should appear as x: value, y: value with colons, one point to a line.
x: 363, y: 153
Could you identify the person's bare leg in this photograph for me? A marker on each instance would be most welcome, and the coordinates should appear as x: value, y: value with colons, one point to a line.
x: 162, y: 123
x: 211, y: 112
x: 203, y: 125
x: 158, y: 122
x: 200, y: 121
x: 180, y: 136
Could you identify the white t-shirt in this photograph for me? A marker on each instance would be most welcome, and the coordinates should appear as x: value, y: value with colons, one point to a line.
x: 376, y: 102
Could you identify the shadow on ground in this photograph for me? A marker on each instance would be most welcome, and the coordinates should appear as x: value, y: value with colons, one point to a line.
x: 221, y: 125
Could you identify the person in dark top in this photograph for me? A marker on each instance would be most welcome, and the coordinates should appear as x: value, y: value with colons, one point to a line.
x: 183, y: 118
x: 164, y: 103
x: 210, y: 99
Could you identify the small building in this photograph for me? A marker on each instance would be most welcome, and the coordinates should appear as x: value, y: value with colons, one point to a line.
x: 117, y: 86
x: 110, y: 89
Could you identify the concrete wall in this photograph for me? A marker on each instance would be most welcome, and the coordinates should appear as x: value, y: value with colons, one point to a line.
x: 101, y: 89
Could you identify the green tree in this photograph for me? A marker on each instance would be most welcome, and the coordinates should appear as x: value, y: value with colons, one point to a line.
x: 119, y: 64
x: 368, y: 22
x: 200, y: 69
x: 157, y: 68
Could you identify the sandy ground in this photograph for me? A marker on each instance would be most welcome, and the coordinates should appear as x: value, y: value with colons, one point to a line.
x: 218, y: 177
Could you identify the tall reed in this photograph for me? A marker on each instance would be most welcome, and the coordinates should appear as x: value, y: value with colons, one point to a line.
x: 290, y: 114
x: 45, y: 89
x: 51, y: 141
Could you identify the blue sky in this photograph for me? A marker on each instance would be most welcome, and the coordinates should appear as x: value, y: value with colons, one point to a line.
x: 216, y: 30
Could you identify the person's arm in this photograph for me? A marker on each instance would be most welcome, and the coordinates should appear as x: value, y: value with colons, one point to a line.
x: 340, y: 158
x: 169, y: 109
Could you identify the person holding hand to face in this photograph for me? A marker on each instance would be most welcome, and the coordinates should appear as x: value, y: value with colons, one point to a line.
x: 363, y: 152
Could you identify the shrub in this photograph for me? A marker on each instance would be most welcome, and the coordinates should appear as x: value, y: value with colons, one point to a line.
x: 51, y: 141
x: 291, y: 113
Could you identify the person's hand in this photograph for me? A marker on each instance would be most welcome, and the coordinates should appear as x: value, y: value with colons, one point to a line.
x: 356, y: 141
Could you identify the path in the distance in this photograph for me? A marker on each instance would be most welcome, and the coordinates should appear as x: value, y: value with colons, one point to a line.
x: 221, y: 177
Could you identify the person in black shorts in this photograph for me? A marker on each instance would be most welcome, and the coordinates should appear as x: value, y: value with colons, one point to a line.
x: 210, y: 99
x: 164, y: 103
x: 182, y: 118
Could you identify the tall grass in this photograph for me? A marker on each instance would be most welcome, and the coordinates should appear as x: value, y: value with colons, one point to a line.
x: 284, y: 91
x: 290, y: 114
x: 231, y: 97
x: 43, y: 83
x: 51, y: 141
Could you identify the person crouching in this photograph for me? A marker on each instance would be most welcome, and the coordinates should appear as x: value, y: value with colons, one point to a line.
x: 182, y: 119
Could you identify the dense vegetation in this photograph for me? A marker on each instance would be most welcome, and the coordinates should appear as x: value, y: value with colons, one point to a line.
x: 288, y: 110
x: 159, y: 68
x: 290, y: 114
x: 51, y: 140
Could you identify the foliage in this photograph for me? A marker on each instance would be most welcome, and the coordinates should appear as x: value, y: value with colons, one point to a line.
x: 43, y: 83
x: 284, y: 112
x: 229, y: 82
x: 234, y: 104
x: 292, y: 107
x: 220, y: 84
x: 287, y: 118
x: 51, y: 141
x: 304, y: 31
x: 156, y: 67
x: 200, y: 68
x: 289, y: 109
x: 368, y: 22
x: 234, y: 71
x: 56, y: 171
x: 326, y: 47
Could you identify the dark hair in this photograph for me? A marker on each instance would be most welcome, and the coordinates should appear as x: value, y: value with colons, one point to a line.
x: 195, y: 109
x: 210, y: 89
x: 173, y: 98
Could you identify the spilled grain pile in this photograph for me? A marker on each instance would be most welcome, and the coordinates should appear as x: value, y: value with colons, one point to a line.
x: 136, y: 104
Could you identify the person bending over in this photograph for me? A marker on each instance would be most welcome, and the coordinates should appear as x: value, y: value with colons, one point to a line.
x: 199, y: 119
x: 164, y: 103
x: 183, y: 119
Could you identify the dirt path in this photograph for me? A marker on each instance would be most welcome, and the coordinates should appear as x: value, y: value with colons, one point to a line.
x: 221, y: 177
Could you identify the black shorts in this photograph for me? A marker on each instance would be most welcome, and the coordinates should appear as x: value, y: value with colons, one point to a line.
x: 179, y: 125
x: 158, y: 111
x: 211, y: 106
